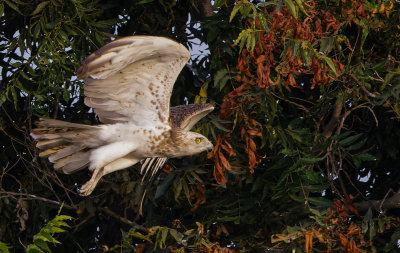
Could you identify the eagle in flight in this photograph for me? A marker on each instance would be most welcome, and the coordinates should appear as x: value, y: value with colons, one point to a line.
x: 128, y: 83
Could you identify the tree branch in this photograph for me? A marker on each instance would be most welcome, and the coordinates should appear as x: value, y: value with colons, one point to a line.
x: 379, y: 205
x: 205, y: 8
x: 328, y: 129
x: 14, y: 195
x: 123, y: 219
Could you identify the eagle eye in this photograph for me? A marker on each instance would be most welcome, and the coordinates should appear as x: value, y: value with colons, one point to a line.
x: 198, y: 140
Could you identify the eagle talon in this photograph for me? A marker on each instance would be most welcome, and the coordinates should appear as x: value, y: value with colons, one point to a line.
x: 89, y: 186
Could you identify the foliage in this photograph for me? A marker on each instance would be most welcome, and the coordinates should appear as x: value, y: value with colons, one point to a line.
x: 45, y: 235
x: 4, y: 247
x: 306, y: 128
x: 334, y: 230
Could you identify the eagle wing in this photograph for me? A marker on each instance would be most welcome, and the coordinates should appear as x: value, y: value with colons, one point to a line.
x: 131, y: 79
x: 186, y: 116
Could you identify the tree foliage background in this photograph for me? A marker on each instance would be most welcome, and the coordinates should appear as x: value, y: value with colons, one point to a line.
x: 306, y: 128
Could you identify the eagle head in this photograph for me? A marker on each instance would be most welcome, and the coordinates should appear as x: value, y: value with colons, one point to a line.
x: 191, y: 143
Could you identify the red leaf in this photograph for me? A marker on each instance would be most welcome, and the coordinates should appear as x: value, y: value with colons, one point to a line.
x: 218, y: 174
x: 352, y: 207
x: 252, y: 144
x: 242, y: 132
x: 253, y: 132
x: 227, y: 149
x: 231, y: 152
x: 216, y: 148
x: 224, y: 162
x: 252, y: 161
x: 361, y: 10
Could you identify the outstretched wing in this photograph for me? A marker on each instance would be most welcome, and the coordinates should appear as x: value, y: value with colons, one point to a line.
x: 183, y: 117
x: 131, y: 79
x: 186, y: 116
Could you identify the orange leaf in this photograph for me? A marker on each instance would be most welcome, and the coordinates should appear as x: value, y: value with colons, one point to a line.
x: 318, y: 234
x: 253, y: 132
x: 218, y: 143
x: 231, y: 152
x: 224, y: 162
x: 352, y: 207
x: 242, y: 132
x: 252, y: 161
x: 218, y: 174
x: 344, y: 241
x: 252, y: 144
x: 308, y: 245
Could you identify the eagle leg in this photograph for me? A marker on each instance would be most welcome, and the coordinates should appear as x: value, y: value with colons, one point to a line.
x: 119, y: 164
x: 89, y: 186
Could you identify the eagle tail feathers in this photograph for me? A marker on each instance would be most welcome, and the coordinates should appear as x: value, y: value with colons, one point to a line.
x: 66, y: 144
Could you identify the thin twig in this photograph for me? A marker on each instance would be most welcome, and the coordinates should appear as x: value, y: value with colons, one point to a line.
x: 122, y: 219
x: 4, y: 194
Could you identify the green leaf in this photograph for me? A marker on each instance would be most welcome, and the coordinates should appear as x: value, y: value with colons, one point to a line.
x: 366, y: 220
x: 237, y: 7
x: 372, y: 230
x: 219, y: 126
x: 235, y: 219
x: 365, y: 32
x: 13, y: 6
x: 221, y: 78
x: 42, y: 244
x: 15, y: 96
x: 330, y: 64
x: 313, y: 177
x: 316, y: 187
x: 63, y: 217
x: 326, y: 45
x: 3, y: 98
x: 341, y: 136
x: 139, y: 235
x: 178, y: 190
x: 145, y: 1
x: 249, y: 43
x: 186, y: 191
x: 164, y: 234
x: 242, y: 38
x: 203, y: 89
x: 56, y: 230
x: 58, y: 223
x: 319, y: 201
x: 177, y: 235
x: 1, y: 9
x: 366, y: 157
x: 301, y: 6
x: 296, y: 197
x: 40, y: 7
x: 357, y: 145
x: 309, y: 160
x: 357, y: 161
x: 34, y: 249
x: 66, y: 94
x: 219, y: 3
x: 44, y: 236
x: 4, y: 248
x: 350, y: 140
x: 292, y: 8
x: 36, y: 30
x: 163, y: 187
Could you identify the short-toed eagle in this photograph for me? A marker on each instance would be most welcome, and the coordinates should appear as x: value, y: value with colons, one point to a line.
x: 128, y: 83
